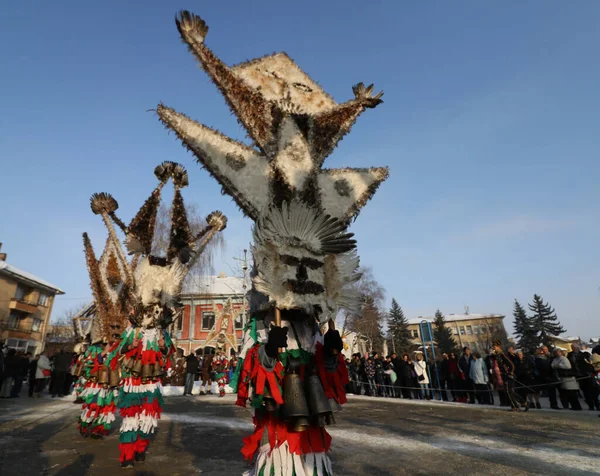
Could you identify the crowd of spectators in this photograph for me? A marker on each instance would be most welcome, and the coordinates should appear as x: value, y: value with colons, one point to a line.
x: 41, y: 372
x: 506, y: 377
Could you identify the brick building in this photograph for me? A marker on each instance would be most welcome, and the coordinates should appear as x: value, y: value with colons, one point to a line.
x: 215, y: 313
x: 25, y: 307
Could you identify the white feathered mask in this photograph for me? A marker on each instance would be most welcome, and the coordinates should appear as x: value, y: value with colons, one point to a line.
x: 305, y: 260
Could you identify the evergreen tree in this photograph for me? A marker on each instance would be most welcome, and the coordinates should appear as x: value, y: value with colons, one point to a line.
x: 442, y: 334
x: 544, y: 322
x: 398, y: 327
x: 526, y: 336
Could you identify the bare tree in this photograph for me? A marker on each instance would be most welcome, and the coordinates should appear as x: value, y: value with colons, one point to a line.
x: 204, y: 264
x: 492, y: 331
x: 369, y: 321
x: 62, y: 329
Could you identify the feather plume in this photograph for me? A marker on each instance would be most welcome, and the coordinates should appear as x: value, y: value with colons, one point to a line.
x: 163, y: 171
x: 103, y: 203
x: 217, y: 221
x: 180, y: 176
x: 191, y: 27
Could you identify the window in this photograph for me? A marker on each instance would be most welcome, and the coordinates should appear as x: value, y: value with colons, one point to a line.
x: 476, y: 330
x: 13, y: 320
x: 37, y: 325
x: 208, y: 320
x: 469, y: 330
x: 455, y: 331
x: 238, y: 324
x: 484, y: 329
x: 462, y: 330
x: 415, y: 334
x: 20, y: 293
x: 42, y: 299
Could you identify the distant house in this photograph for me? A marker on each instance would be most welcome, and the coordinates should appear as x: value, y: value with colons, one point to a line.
x: 476, y: 331
x: 565, y: 343
x: 25, y: 307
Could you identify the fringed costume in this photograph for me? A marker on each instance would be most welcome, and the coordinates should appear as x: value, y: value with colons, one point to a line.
x: 149, y: 296
x: 304, y: 258
x: 220, y: 367
x: 110, y: 287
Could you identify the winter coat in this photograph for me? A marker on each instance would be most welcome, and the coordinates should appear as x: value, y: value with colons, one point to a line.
x: 495, y: 373
x: 478, y: 372
x: 453, y: 369
x: 464, y: 365
x: 580, y: 363
x: 370, y: 368
x: 403, y: 370
x: 421, y: 369
x: 525, y: 372
x: 543, y: 365
x: 192, y: 364
x: 444, y: 370
x: 42, y: 364
x: 565, y: 373
x: 62, y: 362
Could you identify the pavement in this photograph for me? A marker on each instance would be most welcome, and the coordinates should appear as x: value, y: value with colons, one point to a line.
x: 372, y: 436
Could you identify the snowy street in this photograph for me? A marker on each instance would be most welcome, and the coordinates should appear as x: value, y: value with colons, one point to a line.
x: 202, y: 435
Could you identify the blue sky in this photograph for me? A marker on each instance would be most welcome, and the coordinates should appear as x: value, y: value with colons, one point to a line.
x: 489, y: 127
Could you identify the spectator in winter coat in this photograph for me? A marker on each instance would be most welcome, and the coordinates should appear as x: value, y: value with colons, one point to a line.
x: 191, y: 368
x: 546, y: 375
x: 62, y: 363
x: 397, y: 366
x: 444, y: 376
x: 42, y: 373
x: 404, y: 376
x: 525, y: 379
x: 464, y: 365
x: 478, y: 373
x: 567, y: 380
x: 32, y: 370
x: 370, y: 372
x: 455, y: 381
x: 583, y: 370
x: 11, y: 370
x: 421, y: 371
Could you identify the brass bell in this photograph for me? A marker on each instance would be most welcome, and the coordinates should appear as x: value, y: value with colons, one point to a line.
x: 317, y: 401
x: 157, y: 370
x: 136, y: 370
x: 335, y: 406
x: 94, y: 375
x: 114, y: 378
x: 147, y: 371
x: 300, y: 424
x: 294, y: 407
x: 268, y: 401
x: 128, y: 364
x: 103, y: 375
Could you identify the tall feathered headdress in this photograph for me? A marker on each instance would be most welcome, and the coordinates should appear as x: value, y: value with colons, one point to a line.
x: 302, y: 250
x: 149, y: 285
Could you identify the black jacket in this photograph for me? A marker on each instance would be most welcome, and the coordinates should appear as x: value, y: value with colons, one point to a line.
x: 192, y: 364
x: 580, y: 364
x: 464, y: 365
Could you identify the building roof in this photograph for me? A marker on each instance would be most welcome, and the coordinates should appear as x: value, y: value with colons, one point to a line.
x: 215, y: 285
x: 458, y: 317
x: 29, y: 278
